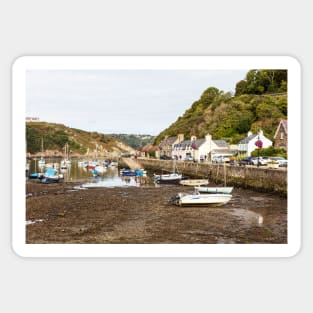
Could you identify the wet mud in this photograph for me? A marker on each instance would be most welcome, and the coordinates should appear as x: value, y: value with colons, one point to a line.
x: 64, y: 213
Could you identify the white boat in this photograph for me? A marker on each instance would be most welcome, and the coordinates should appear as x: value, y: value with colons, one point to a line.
x: 210, y: 190
x: 172, y: 178
x: 194, y: 182
x: 201, y: 199
x: 167, y: 178
x: 41, y: 162
x: 66, y: 162
x: 82, y: 163
x: 64, y: 165
x: 100, y: 168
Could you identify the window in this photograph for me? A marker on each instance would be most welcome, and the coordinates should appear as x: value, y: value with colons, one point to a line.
x: 281, y: 135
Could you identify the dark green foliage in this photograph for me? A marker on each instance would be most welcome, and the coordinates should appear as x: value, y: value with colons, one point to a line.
x: 73, y: 145
x: 270, y: 151
x: 52, y: 139
x: 33, y: 139
x: 263, y: 81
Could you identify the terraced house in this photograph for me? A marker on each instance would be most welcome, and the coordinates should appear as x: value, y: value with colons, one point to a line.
x: 199, y: 149
x: 166, y: 146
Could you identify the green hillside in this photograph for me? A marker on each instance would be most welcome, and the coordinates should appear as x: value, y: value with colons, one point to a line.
x: 55, y: 137
x: 135, y: 141
x: 260, y: 101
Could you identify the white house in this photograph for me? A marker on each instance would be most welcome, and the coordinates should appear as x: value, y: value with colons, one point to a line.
x: 248, y: 144
x: 198, y: 149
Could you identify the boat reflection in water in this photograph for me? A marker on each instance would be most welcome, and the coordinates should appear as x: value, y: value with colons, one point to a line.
x: 113, y: 181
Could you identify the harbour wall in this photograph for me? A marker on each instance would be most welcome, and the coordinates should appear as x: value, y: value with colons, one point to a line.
x: 260, y: 179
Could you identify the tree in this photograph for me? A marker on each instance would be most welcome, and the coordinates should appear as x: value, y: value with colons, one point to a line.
x: 241, y: 88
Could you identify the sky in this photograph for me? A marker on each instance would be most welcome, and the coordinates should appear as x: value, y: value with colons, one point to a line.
x: 120, y: 101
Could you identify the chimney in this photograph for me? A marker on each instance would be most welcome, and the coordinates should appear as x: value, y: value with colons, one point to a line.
x: 260, y: 132
x: 249, y: 133
x: 180, y: 137
x: 208, y: 137
x: 193, y: 138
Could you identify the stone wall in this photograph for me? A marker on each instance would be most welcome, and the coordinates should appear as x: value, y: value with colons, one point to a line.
x: 261, y: 179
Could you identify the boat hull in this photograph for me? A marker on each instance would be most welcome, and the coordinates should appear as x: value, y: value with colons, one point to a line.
x: 167, y: 181
x: 214, y: 190
x: 194, y: 182
x: 167, y: 178
x: 201, y: 199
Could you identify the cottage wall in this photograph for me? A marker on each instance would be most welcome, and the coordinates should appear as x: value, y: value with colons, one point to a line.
x: 281, y: 140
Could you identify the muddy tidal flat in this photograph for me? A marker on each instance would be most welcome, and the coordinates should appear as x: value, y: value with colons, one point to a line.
x: 64, y: 213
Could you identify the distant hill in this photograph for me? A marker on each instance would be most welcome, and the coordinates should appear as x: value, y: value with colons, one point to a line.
x: 135, y: 141
x: 56, y: 136
x: 260, y: 102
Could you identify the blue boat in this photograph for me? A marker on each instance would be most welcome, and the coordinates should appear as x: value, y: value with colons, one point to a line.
x: 125, y: 172
x: 50, y: 176
x: 94, y: 172
x: 35, y: 176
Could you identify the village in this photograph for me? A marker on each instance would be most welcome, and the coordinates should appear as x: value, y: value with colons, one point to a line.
x: 214, y: 151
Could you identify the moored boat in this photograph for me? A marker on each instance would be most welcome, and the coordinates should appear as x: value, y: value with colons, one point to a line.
x: 215, y: 190
x: 113, y: 164
x: 140, y: 172
x: 125, y: 172
x: 51, y: 176
x: 41, y: 162
x: 100, y: 168
x: 35, y: 175
x: 182, y: 199
x: 172, y: 178
x: 194, y: 182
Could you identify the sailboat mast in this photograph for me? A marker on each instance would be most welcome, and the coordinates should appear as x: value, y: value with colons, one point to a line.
x: 42, y: 146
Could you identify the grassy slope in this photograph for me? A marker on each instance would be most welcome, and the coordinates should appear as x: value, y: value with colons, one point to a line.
x: 55, y: 136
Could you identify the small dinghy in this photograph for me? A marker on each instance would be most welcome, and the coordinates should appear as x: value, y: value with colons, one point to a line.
x: 194, y: 182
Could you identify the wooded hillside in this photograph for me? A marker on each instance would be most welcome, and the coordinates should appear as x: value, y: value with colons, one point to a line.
x: 260, y: 102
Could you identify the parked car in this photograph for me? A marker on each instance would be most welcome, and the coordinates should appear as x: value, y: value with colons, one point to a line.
x: 233, y: 162
x: 246, y: 161
x: 165, y: 157
x: 266, y: 159
x: 281, y: 161
x: 126, y: 155
x: 221, y: 159
x: 262, y: 161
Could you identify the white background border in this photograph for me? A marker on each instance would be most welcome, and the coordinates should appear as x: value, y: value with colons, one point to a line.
x: 157, y: 250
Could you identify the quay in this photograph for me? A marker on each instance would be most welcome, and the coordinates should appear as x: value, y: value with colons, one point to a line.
x: 262, y: 179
